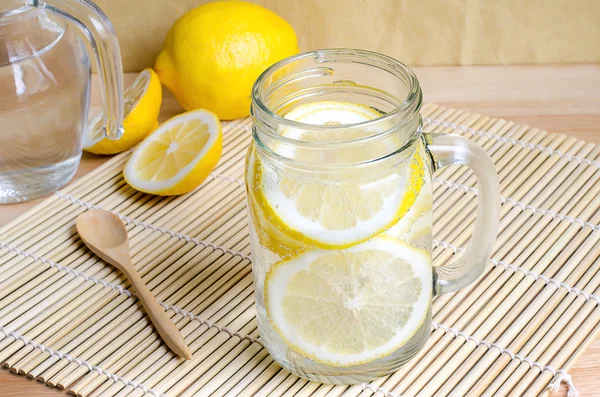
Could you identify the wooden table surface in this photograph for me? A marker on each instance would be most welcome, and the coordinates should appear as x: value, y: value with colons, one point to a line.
x: 563, y: 99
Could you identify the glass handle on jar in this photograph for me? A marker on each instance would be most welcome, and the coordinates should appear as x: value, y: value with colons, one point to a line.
x: 447, y: 149
x: 97, y: 27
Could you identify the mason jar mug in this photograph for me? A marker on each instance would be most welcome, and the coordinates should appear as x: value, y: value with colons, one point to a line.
x: 339, y: 186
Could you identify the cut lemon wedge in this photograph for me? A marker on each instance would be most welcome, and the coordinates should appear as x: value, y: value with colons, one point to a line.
x: 350, y: 307
x: 334, y: 212
x: 178, y: 156
x: 143, y: 99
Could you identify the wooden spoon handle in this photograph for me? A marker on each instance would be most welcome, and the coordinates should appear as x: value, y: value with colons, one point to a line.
x: 163, y: 324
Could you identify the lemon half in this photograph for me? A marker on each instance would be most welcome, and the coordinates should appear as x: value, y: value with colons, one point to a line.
x: 349, y: 307
x: 178, y: 156
x: 143, y: 99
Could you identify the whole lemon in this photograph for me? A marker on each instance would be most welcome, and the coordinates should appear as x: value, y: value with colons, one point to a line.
x: 213, y: 54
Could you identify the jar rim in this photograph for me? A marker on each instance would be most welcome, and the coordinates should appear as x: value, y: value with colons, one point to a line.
x: 410, y: 105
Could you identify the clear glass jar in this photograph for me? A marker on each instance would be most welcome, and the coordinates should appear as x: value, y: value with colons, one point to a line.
x: 45, y: 91
x: 341, y: 216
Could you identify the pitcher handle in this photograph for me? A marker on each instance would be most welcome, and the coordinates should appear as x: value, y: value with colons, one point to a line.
x: 94, y: 22
x: 447, y: 149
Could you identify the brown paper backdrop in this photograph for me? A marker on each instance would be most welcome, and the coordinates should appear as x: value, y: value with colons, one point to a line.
x: 418, y: 32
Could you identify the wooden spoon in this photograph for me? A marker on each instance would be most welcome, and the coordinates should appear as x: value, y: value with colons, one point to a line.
x: 106, y: 236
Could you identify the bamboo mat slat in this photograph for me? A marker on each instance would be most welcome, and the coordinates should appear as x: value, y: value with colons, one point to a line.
x: 71, y: 321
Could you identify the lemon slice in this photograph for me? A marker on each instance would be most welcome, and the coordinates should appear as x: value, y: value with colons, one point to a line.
x: 338, y: 214
x: 143, y: 99
x: 330, y: 113
x: 414, y: 223
x: 334, y: 213
x: 418, y: 220
x: 350, y: 307
x: 284, y: 241
x: 421, y: 227
x: 178, y: 156
x: 269, y: 235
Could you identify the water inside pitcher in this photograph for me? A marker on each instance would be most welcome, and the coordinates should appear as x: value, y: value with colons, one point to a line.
x: 45, y: 89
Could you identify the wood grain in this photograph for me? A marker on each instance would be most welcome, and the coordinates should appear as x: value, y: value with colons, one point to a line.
x: 563, y: 99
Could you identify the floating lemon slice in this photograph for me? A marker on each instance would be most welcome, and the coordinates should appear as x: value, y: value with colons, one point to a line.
x: 417, y: 220
x: 280, y: 242
x: 334, y: 213
x: 421, y: 227
x: 330, y: 113
x: 178, y: 156
x: 143, y: 99
x: 353, y: 306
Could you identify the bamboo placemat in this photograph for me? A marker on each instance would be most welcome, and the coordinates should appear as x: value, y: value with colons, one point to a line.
x: 69, y: 320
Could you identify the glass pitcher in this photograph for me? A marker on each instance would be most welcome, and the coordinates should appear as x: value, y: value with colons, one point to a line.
x: 340, y: 214
x: 45, y: 91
